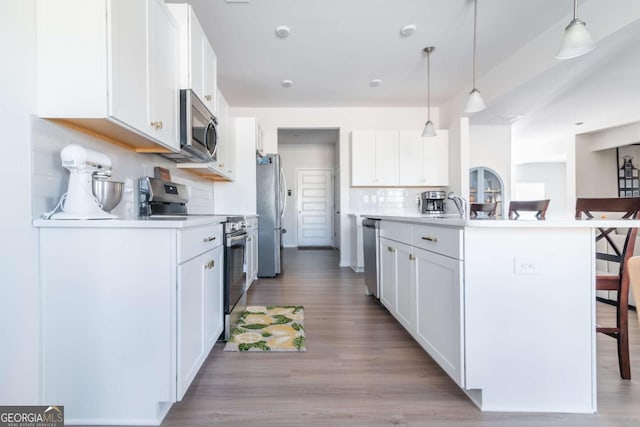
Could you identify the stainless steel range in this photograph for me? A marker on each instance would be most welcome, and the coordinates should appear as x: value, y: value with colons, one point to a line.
x: 235, y: 244
x: 167, y: 200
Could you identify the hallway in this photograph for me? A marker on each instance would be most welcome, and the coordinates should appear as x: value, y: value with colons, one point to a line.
x: 361, y: 368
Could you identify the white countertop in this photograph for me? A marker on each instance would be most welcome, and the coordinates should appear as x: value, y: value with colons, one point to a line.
x: 190, y: 221
x: 454, y: 220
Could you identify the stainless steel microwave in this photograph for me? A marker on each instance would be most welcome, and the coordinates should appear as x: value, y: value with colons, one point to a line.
x: 198, y: 131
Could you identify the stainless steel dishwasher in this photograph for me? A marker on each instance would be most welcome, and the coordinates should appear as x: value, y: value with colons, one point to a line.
x: 371, y: 242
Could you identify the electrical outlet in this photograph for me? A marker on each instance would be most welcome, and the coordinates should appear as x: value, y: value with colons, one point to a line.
x: 527, y: 265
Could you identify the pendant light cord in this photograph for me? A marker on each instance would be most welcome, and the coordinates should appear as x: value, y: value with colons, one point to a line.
x: 575, y: 9
x: 428, y: 87
x: 475, y: 20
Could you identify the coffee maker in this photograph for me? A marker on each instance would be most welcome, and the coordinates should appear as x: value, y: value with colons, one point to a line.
x: 432, y: 202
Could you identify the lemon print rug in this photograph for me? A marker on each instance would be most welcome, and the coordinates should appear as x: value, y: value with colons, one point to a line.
x: 269, y: 328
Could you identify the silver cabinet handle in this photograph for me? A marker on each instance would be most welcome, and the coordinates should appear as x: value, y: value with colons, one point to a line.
x: 210, y: 264
x: 207, y: 97
x: 209, y: 239
x: 412, y: 257
x: 430, y: 239
x: 390, y: 249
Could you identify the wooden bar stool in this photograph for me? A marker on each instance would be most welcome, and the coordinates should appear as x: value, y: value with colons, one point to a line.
x: 488, y: 208
x: 620, y: 254
x: 537, y: 206
x: 633, y: 270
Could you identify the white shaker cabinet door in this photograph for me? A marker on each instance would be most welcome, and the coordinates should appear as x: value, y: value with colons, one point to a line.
x: 388, y: 273
x: 163, y: 79
x: 128, y: 90
x: 363, y: 157
x: 192, y: 288
x: 406, y: 289
x: 386, y: 157
x: 209, y: 76
x: 410, y: 161
x: 439, y: 316
x: 214, y: 305
x: 196, y: 63
x: 435, y: 159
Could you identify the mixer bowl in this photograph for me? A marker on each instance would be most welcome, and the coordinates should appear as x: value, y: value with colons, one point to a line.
x: 108, y: 193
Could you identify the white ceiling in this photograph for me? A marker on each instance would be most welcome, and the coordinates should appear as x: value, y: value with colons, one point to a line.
x: 337, y: 46
x: 599, y: 90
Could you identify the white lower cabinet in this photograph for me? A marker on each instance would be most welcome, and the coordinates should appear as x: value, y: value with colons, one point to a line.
x: 397, y: 288
x: 439, y: 311
x: 405, y: 290
x: 388, y: 273
x: 423, y: 290
x: 199, y: 313
x: 128, y: 316
x: 251, y: 255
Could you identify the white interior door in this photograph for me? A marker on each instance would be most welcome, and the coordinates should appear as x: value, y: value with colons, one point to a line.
x: 314, y: 191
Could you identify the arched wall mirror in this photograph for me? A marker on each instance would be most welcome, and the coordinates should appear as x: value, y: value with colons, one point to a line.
x: 486, y: 186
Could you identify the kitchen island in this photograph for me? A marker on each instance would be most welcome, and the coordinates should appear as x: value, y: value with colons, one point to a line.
x: 506, y: 308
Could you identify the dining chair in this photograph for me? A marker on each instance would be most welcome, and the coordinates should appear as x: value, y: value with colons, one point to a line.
x: 633, y: 269
x: 488, y: 208
x: 613, y: 251
x: 537, y: 206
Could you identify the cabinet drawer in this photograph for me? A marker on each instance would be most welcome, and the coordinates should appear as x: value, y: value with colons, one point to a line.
x: 194, y: 241
x: 445, y: 241
x: 398, y: 231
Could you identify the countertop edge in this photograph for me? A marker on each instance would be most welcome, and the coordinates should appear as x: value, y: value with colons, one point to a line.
x: 131, y: 223
x: 456, y: 221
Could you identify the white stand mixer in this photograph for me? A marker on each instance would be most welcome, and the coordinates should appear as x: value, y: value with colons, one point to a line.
x: 79, y: 201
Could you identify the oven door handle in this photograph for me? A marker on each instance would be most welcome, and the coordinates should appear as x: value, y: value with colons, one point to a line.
x: 234, y: 239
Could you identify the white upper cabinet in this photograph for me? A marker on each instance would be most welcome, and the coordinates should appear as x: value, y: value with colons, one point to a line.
x: 387, y: 158
x: 163, y: 93
x: 226, y: 140
x: 210, y: 76
x: 424, y: 161
x: 198, y: 62
x: 110, y: 67
x: 374, y: 158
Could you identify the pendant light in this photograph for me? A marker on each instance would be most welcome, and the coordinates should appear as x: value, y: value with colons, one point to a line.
x: 429, y: 129
x: 577, y: 40
x: 474, y: 102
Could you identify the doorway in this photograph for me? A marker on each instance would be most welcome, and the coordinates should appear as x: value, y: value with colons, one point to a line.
x: 314, y: 188
x: 310, y: 151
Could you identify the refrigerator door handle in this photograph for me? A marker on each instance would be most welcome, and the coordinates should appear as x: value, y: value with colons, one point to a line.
x: 283, y: 192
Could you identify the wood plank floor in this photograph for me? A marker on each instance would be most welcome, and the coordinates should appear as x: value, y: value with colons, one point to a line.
x: 362, y: 369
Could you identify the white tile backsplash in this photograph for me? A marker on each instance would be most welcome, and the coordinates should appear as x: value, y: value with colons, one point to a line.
x: 388, y: 200
x: 49, y: 178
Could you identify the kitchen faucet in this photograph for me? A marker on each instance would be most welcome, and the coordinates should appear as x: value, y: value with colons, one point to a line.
x: 460, y: 203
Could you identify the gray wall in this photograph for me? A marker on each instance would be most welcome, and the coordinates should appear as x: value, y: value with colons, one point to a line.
x: 297, y: 156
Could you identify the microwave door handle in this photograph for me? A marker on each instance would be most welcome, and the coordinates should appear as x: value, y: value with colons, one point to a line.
x: 206, y: 136
x: 212, y: 125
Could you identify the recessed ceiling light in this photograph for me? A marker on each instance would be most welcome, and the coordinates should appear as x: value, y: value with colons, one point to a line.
x: 408, y: 30
x: 287, y: 83
x: 578, y: 123
x: 283, y: 31
x: 375, y: 82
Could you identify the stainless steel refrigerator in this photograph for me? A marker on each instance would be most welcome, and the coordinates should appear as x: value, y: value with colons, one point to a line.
x: 271, y: 207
